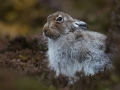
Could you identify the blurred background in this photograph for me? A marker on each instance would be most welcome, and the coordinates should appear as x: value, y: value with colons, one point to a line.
x: 23, y: 63
x: 27, y: 17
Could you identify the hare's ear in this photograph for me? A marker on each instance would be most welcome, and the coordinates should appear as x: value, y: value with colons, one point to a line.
x: 80, y: 24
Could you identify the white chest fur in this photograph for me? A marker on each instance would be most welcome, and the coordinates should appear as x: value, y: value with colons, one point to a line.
x: 67, y: 55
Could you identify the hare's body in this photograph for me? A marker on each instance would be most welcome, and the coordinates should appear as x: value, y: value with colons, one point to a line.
x: 69, y: 54
x: 75, y: 50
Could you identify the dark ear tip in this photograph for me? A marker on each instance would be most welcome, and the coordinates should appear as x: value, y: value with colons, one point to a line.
x: 84, y: 26
x: 87, y: 27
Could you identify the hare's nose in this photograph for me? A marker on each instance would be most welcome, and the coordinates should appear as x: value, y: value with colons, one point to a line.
x: 45, y: 31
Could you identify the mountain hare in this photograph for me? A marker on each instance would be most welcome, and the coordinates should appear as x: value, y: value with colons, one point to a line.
x: 72, y: 47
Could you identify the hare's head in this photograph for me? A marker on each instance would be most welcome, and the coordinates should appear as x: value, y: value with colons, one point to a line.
x: 60, y: 23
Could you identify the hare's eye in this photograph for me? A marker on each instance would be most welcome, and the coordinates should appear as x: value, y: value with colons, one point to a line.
x: 59, y: 19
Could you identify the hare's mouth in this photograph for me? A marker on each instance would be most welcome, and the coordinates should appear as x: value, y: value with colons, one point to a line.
x: 52, y: 36
x: 51, y: 33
